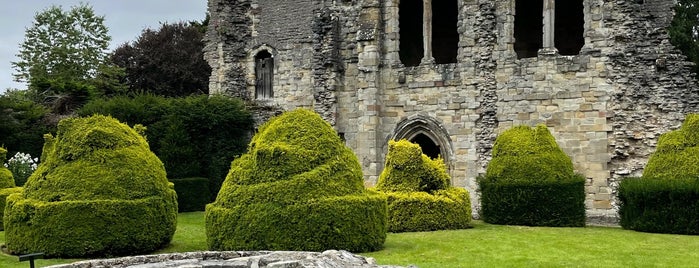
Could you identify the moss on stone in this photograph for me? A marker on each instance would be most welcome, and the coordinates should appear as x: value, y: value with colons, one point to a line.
x: 297, y: 188
x: 99, y: 191
x: 420, y: 196
x: 677, y: 153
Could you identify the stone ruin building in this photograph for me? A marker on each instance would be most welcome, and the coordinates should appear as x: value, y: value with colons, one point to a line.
x: 452, y: 74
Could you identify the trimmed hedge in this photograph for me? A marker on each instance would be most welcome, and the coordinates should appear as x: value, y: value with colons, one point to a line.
x: 666, y: 198
x: 99, y: 191
x: 6, y: 178
x: 4, y: 193
x: 534, y: 203
x: 421, y: 211
x: 530, y: 181
x: 660, y: 206
x: 297, y: 188
x: 420, y: 196
x: 192, y: 193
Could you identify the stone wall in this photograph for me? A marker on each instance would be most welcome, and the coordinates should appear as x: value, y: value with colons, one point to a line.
x: 606, y: 106
x: 239, y: 259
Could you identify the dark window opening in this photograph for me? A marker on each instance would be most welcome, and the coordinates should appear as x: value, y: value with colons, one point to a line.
x: 264, y: 71
x: 428, y: 146
x: 410, y: 23
x: 529, y: 27
x: 445, y: 36
x: 569, y: 28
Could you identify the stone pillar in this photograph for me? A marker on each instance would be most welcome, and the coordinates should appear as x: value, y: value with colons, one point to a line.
x: 549, y: 18
x: 427, y: 31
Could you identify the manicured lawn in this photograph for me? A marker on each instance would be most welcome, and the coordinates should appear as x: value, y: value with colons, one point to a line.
x: 488, y: 245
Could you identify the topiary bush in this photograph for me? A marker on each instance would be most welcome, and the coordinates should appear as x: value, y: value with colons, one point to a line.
x: 420, y: 196
x: 192, y: 193
x: 6, y: 178
x: 4, y: 193
x: 530, y: 181
x: 99, y: 191
x: 666, y: 198
x: 297, y: 188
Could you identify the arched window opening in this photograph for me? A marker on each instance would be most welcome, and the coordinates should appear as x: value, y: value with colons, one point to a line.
x: 429, y: 147
x: 528, y: 27
x: 410, y: 23
x: 445, y: 37
x: 570, y: 24
x: 264, y: 73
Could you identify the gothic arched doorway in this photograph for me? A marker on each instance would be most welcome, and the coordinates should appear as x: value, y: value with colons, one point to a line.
x: 428, y: 133
x: 428, y: 146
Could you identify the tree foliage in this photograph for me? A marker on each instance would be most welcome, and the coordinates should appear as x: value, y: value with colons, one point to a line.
x: 168, y: 61
x: 684, y: 30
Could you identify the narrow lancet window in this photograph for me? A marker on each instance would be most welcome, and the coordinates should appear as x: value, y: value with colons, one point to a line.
x: 570, y: 24
x: 410, y: 22
x: 528, y: 27
x: 445, y: 37
x: 264, y: 71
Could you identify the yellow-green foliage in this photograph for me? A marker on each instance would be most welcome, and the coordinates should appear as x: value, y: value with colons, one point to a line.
x: 407, y: 169
x: 99, y: 191
x: 4, y: 193
x: 297, y: 188
x: 525, y: 154
x: 677, y: 154
x: 420, y: 197
x: 6, y: 178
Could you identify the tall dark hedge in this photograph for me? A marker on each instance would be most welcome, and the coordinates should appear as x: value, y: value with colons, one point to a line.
x: 196, y: 136
x: 530, y: 181
x: 297, y: 188
x: 419, y: 191
x: 99, y: 191
x: 23, y: 123
x: 666, y: 198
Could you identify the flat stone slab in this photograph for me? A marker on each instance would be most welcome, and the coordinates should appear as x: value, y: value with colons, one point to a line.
x: 235, y: 259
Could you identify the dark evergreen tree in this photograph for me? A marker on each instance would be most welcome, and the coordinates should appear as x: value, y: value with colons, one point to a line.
x: 684, y: 30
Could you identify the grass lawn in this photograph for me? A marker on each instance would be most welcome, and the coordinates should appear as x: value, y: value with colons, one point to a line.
x: 488, y: 245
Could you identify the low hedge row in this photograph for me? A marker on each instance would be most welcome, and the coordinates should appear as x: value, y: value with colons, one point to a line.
x: 421, y: 211
x: 660, y: 205
x: 355, y: 223
x: 533, y: 203
x: 4, y: 193
x: 88, y: 228
x: 192, y: 193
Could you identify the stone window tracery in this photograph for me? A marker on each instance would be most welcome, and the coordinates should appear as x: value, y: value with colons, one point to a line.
x: 425, y: 38
x: 553, y: 25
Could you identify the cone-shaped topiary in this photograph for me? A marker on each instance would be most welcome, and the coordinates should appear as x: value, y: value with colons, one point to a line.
x: 99, y: 191
x: 666, y: 198
x: 6, y: 178
x: 297, y: 188
x: 420, y: 196
x: 530, y: 181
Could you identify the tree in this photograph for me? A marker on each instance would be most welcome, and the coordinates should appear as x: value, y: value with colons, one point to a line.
x: 63, y: 55
x: 684, y: 30
x: 167, y: 62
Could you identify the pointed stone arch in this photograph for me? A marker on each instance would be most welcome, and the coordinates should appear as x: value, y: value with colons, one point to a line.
x: 426, y: 130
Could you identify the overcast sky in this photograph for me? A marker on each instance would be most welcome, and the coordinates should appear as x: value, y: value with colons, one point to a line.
x: 124, y: 18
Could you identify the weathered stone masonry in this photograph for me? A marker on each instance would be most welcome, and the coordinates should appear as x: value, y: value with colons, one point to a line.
x: 605, y: 94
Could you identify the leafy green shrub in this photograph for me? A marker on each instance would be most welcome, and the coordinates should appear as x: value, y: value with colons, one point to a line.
x: 6, y: 178
x: 530, y: 181
x: 196, y: 136
x: 99, y: 191
x: 22, y: 166
x: 23, y: 123
x: 192, y: 193
x: 297, y: 188
x: 420, y: 196
x: 666, y: 198
x: 4, y: 193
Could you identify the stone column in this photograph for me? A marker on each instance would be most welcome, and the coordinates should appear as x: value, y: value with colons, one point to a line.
x: 427, y: 31
x: 549, y: 17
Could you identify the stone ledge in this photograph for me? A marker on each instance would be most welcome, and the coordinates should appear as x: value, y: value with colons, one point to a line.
x: 234, y: 259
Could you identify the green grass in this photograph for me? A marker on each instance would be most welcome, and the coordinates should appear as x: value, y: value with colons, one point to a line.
x: 488, y: 245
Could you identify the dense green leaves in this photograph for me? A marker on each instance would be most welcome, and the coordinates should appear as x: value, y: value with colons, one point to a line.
x: 677, y: 153
x: 684, y: 30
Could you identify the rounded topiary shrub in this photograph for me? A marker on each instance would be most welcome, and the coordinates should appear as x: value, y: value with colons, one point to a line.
x: 4, y: 193
x: 6, y: 178
x: 297, y: 188
x: 666, y: 198
x: 99, y: 191
x: 420, y: 196
x: 530, y: 181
